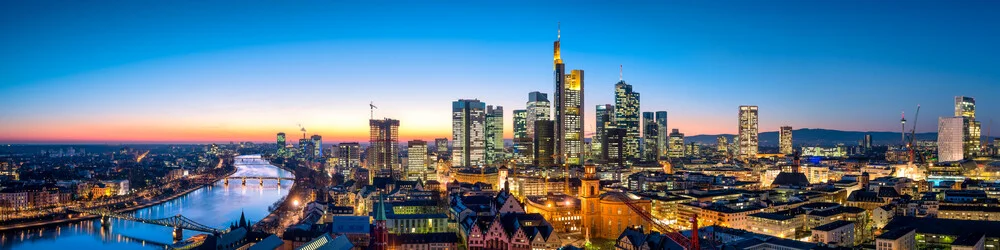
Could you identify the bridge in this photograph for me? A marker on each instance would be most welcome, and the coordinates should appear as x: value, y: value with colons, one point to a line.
x: 178, y: 222
x: 260, y: 178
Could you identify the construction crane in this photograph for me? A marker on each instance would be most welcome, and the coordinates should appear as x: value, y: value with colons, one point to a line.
x: 913, y: 133
x: 372, y: 107
x: 687, y: 243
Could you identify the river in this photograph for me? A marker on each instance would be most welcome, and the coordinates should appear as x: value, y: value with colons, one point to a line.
x: 216, y: 206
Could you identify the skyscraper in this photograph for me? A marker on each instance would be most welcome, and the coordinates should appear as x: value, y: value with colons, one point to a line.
x: 494, y: 134
x: 348, y: 157
x: 544, y: 143
x: 627, y: 117
x: 662, y: 136
x: 722, y: 144
x: 416, y: 160
x: 538, y: 110
x: 868, y: 143
x: 748, y: 132
x: 676, y: 144
x: 523, y: 152
x: 605, y: 119
x: 468, y: 130
x: 317, y: 146
x: 384, y: 139
x: 965, y: 107
x: 650, y: 137
x: 281, y: 143
x: 950, y: 141
x: 785, y: 140
x: 568, y: 110
x: 614, y: 146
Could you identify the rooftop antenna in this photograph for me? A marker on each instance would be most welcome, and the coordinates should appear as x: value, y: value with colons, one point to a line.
x: 620, y: 78
x: 371, y: 106
x: 558, y: 30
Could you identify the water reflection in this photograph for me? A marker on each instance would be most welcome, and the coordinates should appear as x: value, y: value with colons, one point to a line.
x: 217, y: 206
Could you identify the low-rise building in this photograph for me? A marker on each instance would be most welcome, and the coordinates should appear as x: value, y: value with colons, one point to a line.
x: 839, y: 233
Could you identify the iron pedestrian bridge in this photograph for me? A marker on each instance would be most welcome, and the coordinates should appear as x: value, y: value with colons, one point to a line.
x: 178, y: 222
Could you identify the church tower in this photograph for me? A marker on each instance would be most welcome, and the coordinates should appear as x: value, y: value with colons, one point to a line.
x: 590, y: 196
x: 380, y: 236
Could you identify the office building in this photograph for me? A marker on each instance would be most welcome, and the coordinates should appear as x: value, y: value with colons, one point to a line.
x: 383, y: 153
x: 522, y: 143
x: 520, y: 123
x: 950, y: 141
x: 348, y: 157
x: 544, y: 143
x: 722, y: 144
x: 416, y: 158
x: 965, y: 107
x: 650, y: 137
x: 748, y: 140
x: 868, y: 143
x: 468, y: 129
x: 613, y: 150
x: 604, y: 119
x: 627, y: 117
x: 568, y: 111
x: 494, y: 134
x: 441, y: 145
x: 676, y: 144
x: 281, y: 143
x: 538, y: 110
x: 785, y: 140
x: 317, y: 145
x: 662, y: 137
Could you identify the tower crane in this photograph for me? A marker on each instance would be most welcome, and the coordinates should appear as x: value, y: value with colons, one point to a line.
x: 913, y: 133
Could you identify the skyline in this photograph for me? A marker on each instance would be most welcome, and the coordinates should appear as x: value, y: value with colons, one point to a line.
x: 199, y: 80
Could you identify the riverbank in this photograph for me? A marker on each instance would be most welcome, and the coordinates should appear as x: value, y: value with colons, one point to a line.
x: 128, y: 209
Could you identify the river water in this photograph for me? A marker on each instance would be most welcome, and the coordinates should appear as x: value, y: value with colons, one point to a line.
x: 216, y: 206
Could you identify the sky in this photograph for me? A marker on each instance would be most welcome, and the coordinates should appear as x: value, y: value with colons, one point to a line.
x: 220, y: 71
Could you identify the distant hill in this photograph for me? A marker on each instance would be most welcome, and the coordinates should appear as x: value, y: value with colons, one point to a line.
x: 820, y: 137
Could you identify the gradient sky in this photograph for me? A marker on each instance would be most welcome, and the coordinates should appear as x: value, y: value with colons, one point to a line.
x: 219, y: 71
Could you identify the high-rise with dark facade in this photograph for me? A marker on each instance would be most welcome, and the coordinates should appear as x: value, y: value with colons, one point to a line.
x: 568, y: 111
x: 627, y: 117
x: 522, y: 143
x: 676, y: 144
x: 605, y: 119
x: 416, y: 160
x: 544, y: 143
x: 538, y: 110
x: 650, y: 137
x: 317, y: 145
x: 348, y: 157
x: 468, y: 130
x: 662, y: 136
x: 614, y: 147
x: 747, y: 139
x: 383, y: 153
x: 494, y: 134
x: 441, y: 146
x: 965, y: 107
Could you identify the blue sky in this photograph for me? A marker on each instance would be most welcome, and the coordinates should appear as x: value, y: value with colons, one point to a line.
x: 227, y: 70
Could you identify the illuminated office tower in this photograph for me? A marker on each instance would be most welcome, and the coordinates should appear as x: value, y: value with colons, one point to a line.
x: 965, y: 107
x: 281, y: 143
x: 868, y: 143
x: 614, y: 146
x: 544, y: 143
x: 416, y: 160
x: 348, y: 157
x: 785, y: 140
x: 569, y: 118
x: 317, y: 145
x: 748, y: 132
x: 304, y: 146
x: 950, y: 141
x: 627, y: 117
x: 383, y: 153
x: 722, y: 144
x: 538, y: 110
x: 605, y: 119
x: 676, y: 144
x: 662, y: 137
x: 650, y: 137
x: 522, y: 143
x: 442, y: 146
x: 468, y: 130
x: 494, y: 134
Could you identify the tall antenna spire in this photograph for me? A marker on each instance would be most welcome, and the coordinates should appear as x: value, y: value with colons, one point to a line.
x: 558, y: 30
x: 620, y: 78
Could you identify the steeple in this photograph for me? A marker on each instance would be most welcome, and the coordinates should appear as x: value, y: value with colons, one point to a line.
x: 557, y: 59
x: 380, y: 209
x: 243, y: 220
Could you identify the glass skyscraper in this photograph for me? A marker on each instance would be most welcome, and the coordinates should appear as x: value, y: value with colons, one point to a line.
x: 605, y: 119
x: 494, y: 134
x: 627, y: 117
x: 748, y: 140
x: 662, y: 136
x: 383, y: 153
x: 650, y: 137
x: 785, y: 140
x: 538, y: 110
x: 468, y: 130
